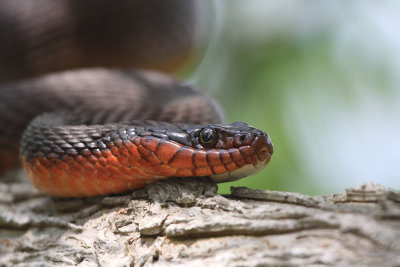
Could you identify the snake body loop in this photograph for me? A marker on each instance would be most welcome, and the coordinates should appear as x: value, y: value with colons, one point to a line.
x: 96, y: 131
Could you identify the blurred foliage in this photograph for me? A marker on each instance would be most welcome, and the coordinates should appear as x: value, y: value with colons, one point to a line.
x: 255, y: 80
x: 253, y: 91
x: 326, y: 95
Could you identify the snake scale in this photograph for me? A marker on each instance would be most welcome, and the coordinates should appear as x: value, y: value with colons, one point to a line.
x: 85, y: 121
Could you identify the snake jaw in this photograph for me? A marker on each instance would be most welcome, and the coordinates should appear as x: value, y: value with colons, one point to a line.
x: 240, y: 173
x: 257, y: 156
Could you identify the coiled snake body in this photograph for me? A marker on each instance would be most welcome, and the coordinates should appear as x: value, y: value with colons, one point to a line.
x: 104, y: 130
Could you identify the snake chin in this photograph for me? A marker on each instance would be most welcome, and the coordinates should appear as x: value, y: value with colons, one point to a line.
x: 244, y: 171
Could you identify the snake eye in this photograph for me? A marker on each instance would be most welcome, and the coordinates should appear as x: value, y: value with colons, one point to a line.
x: 208, y: 137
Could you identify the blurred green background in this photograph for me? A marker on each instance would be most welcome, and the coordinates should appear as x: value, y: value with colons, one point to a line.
x: 321, y: 78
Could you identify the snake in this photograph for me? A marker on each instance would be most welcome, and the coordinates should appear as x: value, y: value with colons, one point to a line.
x: 89, y: 104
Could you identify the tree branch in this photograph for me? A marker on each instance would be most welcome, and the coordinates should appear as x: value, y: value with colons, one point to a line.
x: 184, y: 221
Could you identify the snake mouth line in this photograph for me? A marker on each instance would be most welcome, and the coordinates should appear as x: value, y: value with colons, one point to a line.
x: 244, y: 171
x: 255, y: 162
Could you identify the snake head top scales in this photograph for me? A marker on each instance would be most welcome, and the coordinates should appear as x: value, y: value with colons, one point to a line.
x: 94, y: 160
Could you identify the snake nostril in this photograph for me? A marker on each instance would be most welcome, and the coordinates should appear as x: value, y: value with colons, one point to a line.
x: 243, y: 140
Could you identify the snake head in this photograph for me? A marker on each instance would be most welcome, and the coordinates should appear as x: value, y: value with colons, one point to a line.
x: 226, y: 152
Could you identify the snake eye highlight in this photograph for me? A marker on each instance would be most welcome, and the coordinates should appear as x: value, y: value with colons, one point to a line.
x: 208, y: 137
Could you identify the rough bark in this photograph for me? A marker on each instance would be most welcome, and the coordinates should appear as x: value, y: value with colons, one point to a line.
x: 185, y: 222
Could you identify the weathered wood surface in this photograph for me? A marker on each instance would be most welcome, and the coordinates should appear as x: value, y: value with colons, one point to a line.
x: 184, y: 222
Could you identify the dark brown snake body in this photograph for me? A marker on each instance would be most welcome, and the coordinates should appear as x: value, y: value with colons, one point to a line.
x: 108, y: 130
